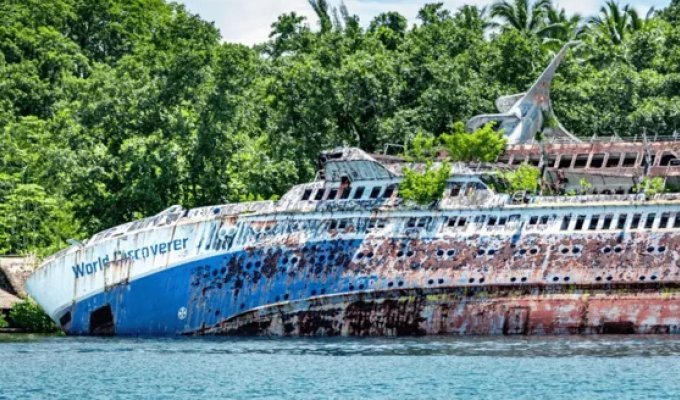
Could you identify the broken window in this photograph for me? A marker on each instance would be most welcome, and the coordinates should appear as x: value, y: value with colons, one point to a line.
x: 462, y: 221
x: 389, y: 191
x: 630, y: 160
x: 669, y: 159
x: 597, y: 161
x: 551, y: 161
x: 607, y: 224
x: 502, y: 221
x: 676, y: 222
x: 480, y: 219
x: 332, y: 194
x: 344, y: 195
x: 411, y: 223
x: 455, y: 190
x: 663, y: 222
x: 319, y: 194
x: 307, y: 194
x: 422, y: 222
x: 621, y: 224
x: 518, y: 160
x: 635, y: 223
x: 649, y: 223
x: 545, y: 219
x: 533, y: 220
x: 593, y: 222
x: 566, y: 221
x: 565, y: 161
x: 452, y: 221
x: 492, y: 221
x: 580, y: 220
x: 534, y: 160
x: 613, y: 160
x: 359, y: 193
x: 581, y: 161
x: 333, y: 224
x: 376, y: 192
x: 343, y: 224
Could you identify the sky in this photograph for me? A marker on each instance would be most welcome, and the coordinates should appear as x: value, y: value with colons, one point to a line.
x: 249, y: 21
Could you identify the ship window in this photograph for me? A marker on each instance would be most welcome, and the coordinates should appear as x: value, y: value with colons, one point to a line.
x: 518, y: 160
x: 376, y: 192
x: 535, y: 160
x: 332, y: 194
x: 452, y: 221
x: 422, y: 222
x: 565, y: 161
x: 663, y: 222
x: 630, y: 160
x: 566, y: 221
x: 333, y: 225
x: 635, y: 223
x: 307, y: 194
x: 597, y: 161
x: 545, y: 219
x: 371, y: 223
x: 514, y: 218
x: 533, y: 220
x: 622, y: 221
x: 388, y: 192
x: 502, y: 221
x: 676, y: 222
x: 319, y: 194
x: 649, y: 223
x: 344, y: 195
x: 504, y: 159
x: 462, y: 221
x: 593, y: 222
x: 342, y: 224
x: 668, y: 159
x: 411, y: 223
x: 381, y: 223
x: 455, y: 190
x: 580, y: 220
x: 551, y: 161
x: 607, y: 224
x: 358, y: 193
x: 480, y: 219
x: 581, y: 161
x: 613, y: 160
x: 492, y: 220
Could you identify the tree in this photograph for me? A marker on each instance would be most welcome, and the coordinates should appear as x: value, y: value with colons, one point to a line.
x: 483, y: 145
x: 523, y: 179
x: 615, y: 23
x: 424, y: 187
x: 525, y: 17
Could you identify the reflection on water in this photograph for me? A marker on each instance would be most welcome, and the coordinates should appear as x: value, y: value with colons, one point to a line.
x: 553, y: 367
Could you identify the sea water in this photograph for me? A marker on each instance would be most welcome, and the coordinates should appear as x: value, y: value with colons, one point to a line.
x: 404, y: 368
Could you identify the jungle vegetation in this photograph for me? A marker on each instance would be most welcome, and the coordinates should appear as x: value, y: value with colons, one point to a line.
x: 115, y: 109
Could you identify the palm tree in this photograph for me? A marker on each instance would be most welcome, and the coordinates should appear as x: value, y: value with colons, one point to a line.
x: 615, y: 22
x: 570, y: 28
x: 474, y: 18
x: 322, y: 10
x: 527, y: 18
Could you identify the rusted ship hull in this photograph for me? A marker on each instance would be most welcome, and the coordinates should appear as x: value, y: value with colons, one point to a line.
x: 499, y: 310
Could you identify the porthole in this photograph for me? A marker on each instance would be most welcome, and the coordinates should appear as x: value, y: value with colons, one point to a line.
x: 513, y: 279
x: 609, y: 278
x: 440, y: 281
x: 642, y: 278
x: 607, y: 250
x: 471, y: 280
x: 480, y: 252
x: 285, y: 296
x: 555, y: 278
x: 650, y: 249
x: 258, y: 264
x: 617, y: 249
x: 351, y: 287
x: 410, y: 253
x: 522, y: 252
x: 369, y: 255
x: 313, y: 293
x: 323, y: 291
x: 440, y: 253
x: 249, y: 265
x: 564, y: 250
x: 430, y: 282
x: 294, y: 260
x: 481, y: 280
x: 360, y: 256
x: 491, y: 252
x: 598, y: 278
x: 524, y: 279
x: 451, y: 252
x: 661, y: 249
x: 243, y: 306
x: 534, y: 251
x: 566, y: 279
x: 284, y: 261
x: 576, y: 250
x: 361, y: 286
x: 400, y: 253
x: 400, y: 284
x: 653, y: 277
x: 223, y: 270
x: 390, y: 284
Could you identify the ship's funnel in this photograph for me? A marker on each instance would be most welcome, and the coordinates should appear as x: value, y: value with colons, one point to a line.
x: 522, y: 115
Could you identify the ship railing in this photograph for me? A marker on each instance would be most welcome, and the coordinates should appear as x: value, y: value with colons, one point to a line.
x: 623, y: 198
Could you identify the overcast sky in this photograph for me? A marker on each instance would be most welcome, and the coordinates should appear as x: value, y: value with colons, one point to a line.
x: 249, y: 21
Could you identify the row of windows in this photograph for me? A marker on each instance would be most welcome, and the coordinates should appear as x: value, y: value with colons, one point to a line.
x: 347, y: 192
x: 598, y: 160
x: 608, y: 221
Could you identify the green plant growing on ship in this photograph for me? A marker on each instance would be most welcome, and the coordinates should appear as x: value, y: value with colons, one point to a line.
x: 28, y: 316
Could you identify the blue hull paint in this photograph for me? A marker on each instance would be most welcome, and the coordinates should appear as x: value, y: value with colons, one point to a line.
x: 218, y: 287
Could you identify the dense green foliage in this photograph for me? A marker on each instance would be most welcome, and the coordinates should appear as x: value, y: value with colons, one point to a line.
x: 28, y: 315
x: 112, y: 110
x: 524, y: 178
x: 3, y: 322
x: 425, y: 187
x: 651, y: 187
x: 485, y: 144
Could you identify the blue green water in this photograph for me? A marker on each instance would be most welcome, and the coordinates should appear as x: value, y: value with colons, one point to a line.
x: 440, y: 368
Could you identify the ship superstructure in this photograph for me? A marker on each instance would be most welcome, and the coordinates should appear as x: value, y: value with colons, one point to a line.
x: 345, y: 255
